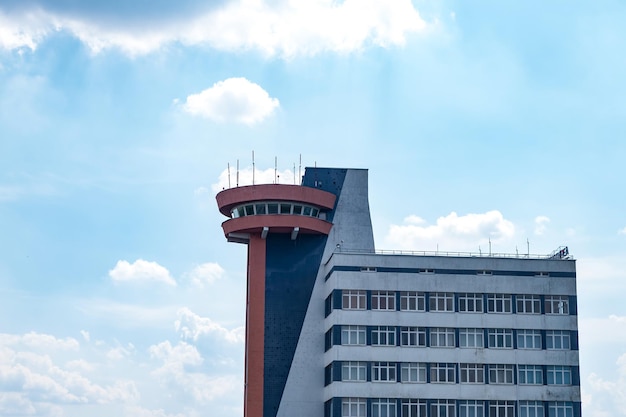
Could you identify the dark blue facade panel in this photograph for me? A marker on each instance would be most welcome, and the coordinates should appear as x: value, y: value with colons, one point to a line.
x: 291, y: 269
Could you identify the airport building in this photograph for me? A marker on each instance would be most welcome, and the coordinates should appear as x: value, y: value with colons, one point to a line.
x: 335, y: 328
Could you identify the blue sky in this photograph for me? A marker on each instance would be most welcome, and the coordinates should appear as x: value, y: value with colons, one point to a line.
x: 477, y: 121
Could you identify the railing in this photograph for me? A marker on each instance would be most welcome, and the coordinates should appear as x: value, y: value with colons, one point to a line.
x: 560, y: 254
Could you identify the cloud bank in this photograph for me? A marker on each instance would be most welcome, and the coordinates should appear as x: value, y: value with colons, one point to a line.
x: 286, y: 28
x: 451, y: 232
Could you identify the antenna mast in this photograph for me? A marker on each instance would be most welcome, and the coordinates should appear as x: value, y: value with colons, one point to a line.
x: 252, y: 167
x: 228, y: 174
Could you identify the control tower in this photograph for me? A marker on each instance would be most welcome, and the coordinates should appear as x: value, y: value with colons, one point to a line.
x: 287, y: 230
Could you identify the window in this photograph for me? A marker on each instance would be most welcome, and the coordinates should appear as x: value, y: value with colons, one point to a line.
x: 368, y: 269
x: 413, y: 372
x: 383, y: 300
x: 471, y: 408
x: 442, y: 337
x: 500, y: 338
x: 383, y: 371
x: 501, y: 408
x: 559, y: 375
x: 470, y: 303
x: 412, y: 301
x: 383, y: 336
x: 471, y: 338
x: 384, y: 407
x: 442, y: 372
x: 353, y: 335
x: 557, y: 304
x: 413, y: 408
x: 472, y: 373
x: 499, y: 303
x: 442, y: 408
x: 529, y: 339
x: 353, y: 407
x: 441, y: 301
x: 531, y: 409
x: 560, y: 409
x: 353, y: 300
x: 529, y: 375
x: 557, y: 340
x: 528, y: 304
x: 354, y: 371
x: 412, y: 336
x: 500, y: 374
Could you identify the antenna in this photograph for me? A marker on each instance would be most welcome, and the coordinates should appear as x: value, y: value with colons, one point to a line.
x: 275, y: 169
x: 237, y: 172
x: 489, y: 246
x: 528, y: 248
x: 294, y: 173
x: 300, y: 170
x: 228, y: 174
x: 252, y: 167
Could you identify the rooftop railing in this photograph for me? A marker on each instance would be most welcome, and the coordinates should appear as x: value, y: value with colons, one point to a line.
x: 562, y: 253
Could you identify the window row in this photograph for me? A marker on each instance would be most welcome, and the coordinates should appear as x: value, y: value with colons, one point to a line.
x: 449, y: 337
x: 451, y: 373
x: 274, y: 207
x: 392, y: 407
x: 449, y: 302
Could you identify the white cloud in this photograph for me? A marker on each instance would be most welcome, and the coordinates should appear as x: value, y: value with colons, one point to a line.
x: 206, y: 273
x: 232, y: 100
x: 607, y: 394
x: 541, y: 223
x: 192, y: 326
x: 622, y: 231
x: 178, y: 372
x: 141, y: 270
x: 40, y: 381
x: 246, y: 176
x: 451, y: 232
x: 39, y: 341
x: 285, y: 28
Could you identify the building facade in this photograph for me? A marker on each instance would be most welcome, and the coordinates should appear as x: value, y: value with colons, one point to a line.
x: 336, y: 329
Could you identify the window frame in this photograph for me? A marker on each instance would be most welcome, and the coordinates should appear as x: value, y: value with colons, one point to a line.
x: 529, y: 375
x: 474, y: 334
x: 529, y: 335
x: 416, y: 299
x: 384, y: 372
x: 409, y: 334
x: 557, y: 305
x: 561, y: 336
x: 442, y: 373
x: 442, y: 302
x: 356, y: 407
x: 383, y: 300
x: 501, y: 374
x: 384, y: 407
x: 500, y: 335
x: 558, y: 375
x: 418, y: 369
x: 447, y: 335
x: 353, y: 333
x: 413, y: 407
x: 501, y: 408
x: 469, y: 302
x: 499, y: 303
x: 531, y: 409
x: 528, y: 304
x: 469, y: 371
x: 353, y: 300
x: 354, y: 367
x: 383, y: 335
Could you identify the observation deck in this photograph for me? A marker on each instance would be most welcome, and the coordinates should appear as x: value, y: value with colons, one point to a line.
x: 274, y: 208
